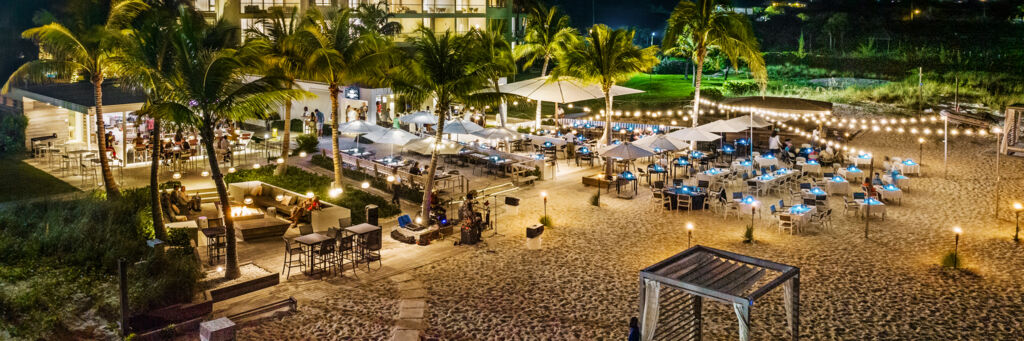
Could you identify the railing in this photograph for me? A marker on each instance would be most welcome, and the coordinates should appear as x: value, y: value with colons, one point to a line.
x: 618, y: 125
x: 451, y: 183
x: 438, y: 7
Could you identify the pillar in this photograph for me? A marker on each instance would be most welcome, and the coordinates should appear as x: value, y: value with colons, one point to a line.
x: 743, y: 315
x: 791, y: 292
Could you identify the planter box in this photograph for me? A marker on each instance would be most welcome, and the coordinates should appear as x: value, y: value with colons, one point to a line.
x: 239, y: 289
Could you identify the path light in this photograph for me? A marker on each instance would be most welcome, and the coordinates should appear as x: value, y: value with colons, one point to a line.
x: 247, y: 201
x: 255, y: 166
x: 689, y: 233
x: 956, y: 245
x: 1017, y: 208
x: 279, y: 197
x: 391, y: 178
x: 220, y: 269
x: 302, y: 154
x: 280, y: 160
x: 231, y: 170
x: 309, y: 194
x: 205, y: 173
x: 335, y: 192
x: 544, y: 194
x: 419, y: 220
x: 920, y: 153
x: 176, y: 176
x: 365, y: 185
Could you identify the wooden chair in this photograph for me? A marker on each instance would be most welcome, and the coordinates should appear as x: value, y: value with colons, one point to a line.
x: 786, y: 223
x: 289, y: 258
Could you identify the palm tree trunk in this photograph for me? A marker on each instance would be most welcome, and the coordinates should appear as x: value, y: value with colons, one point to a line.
x: 335, y: 154
x: 543, y: 72
x: 428, y: 183
x: 101, y: 142
x: 231, y: 255
x: 696, y: 94
x: 503, y: 113
x: 607, y: 138
x: 154, y: 186
x: 285, y: 138
x: 727, y: 67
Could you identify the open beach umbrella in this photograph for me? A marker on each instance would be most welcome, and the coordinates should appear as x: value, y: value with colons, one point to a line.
x: 749, y: 122
x: 626, y: 151
x: 419, y: 117
x: 425, y: 145
x: 693, y: 134
x: 462, y: 126
x: 392, y: 137
x: 540, y: 139
x: 358, y: 127
x: 563, y: 90
x: 722, y: 126
x: 661, y: 142
x: 498, y: 134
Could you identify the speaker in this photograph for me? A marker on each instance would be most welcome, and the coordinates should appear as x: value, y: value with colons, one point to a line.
x: 511, y: 201
x: 371, y: 215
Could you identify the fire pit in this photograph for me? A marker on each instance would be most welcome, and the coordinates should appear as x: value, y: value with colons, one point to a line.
x: 239, y: 213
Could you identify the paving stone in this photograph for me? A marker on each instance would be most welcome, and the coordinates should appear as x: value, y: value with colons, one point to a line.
x: 411, y: 313
x: 410, y: 324
x: 410, y: 285
x: 399, y: 278
x: 412, y: 304
x: 415, y: 293
x: 406, y: 335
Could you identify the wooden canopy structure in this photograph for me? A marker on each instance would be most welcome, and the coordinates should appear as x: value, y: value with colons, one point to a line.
x: 1012, y: 142
x: 672, y: 291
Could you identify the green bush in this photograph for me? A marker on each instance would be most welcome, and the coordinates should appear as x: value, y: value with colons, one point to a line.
x: 596, y: 199
x: 411, y: 194
x: 298, y: 180
x: 672, y: 67
x: 179, y: 238
x: 711, y: 94
x: 307, y: 143
x: 546, y: 221
x: 12, y: 133
x: 739, y: 88
x: 296, y: 125
x: 952, y: 260
x: 748, y: 234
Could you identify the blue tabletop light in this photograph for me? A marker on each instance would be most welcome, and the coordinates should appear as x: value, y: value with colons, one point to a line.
x: 728, y: 149
x: 584, y: 150
x: 812, y: 162
x: 548, y: 144
x: 615, y: 128
x: 616, y: 142
x: 581, y: 138
x: 742, y: 142
x: 872, y: 201
x: 697, y: 154
x: 713, y: 171
x: 838, y: 179
x: 853, y: 169
x: 890, y: 187
x: 817, y: 191
x: 864, y: 156
x: 657, y: 168
x: 767, y: 177
x: 782, y: 171
x: 627, y: 175
x: 657, y: 150
x: 681, y: 161
x: 799, y: 209
x: 806, y: 150
x: 749, y: 200
x: 769, y: 156
x: 909, y: 162
x: 746, y: 163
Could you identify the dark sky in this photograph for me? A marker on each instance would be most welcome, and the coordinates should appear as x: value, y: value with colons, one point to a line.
x: 616, y: 13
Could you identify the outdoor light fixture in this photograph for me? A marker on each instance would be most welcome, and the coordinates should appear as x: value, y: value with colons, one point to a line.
x: 280, y: 160
x: 419, y: 220
x: 365, y: 185
x: 391, y: 178
x: 335, y: 192
x: 544, y: 194
x: 255, y: 166
x: 279, y: 197
x: 309, y: 194
x: 176, y: 176
x: 220, y: 269
x: 302, y: 154
x: 205, y: 173
x: 247, y: 201
x: 231, y: 170
x: 1017, y: 208
x: 689, y: 233
x: 956, y: 246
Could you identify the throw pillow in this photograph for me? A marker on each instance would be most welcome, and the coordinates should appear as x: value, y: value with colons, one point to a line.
x: 288, y: 200
x: 256, y: 191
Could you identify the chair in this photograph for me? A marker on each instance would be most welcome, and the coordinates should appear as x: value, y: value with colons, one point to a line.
x: 370, y: 245
x: 666, y: 200
x: 683, y: 200
x: 850, y: 205
x: 809, y: 202
x: 703, y: 183
x: 828, y: 175
x: 805, y: 185
x: 730, y: 207
x: 305, y: 229
x: 346, y: 250
x: 404, y: 220
x: 289, y: 258
x: 677, y: 182
x: 752, y: 188
x: 782, y: 205
x: 786, y: 223
x: 326, y: 251
x: 772, y: 209
x: 858, y: 195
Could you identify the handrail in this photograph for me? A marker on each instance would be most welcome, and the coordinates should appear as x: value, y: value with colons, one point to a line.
x: 376, y: 169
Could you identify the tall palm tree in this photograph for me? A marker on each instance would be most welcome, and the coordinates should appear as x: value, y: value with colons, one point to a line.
x: 82, y: 54
x: 444, y: 67
x: 544, y: 29
x: 376, y: 18
x: 144, y: 63
x: 495, y: 61
x: 278, y: 31
x: 209, y: 86
x: 607, y: 56
x: 711, y: 24
x: 339, y: 55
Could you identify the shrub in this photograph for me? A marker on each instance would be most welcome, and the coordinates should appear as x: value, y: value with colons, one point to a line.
x: 596, y: 199
x: 307, y: 143
x: 298, y: 180
x: 711, y: 94
x: 672, y: 67
x: 411, y: 194
x: 178, y: 238
x: 12, y: 133
x: 296, y: 125
x: 952, y: 260
x: 546, y: 221
x: 738, y: 88
x: 748, y: 234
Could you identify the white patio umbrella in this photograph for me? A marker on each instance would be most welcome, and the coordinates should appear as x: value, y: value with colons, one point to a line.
x: 419, y: 117
x: 661, y: 142
x: 391, y: 137
x: 359, y: 127
x: 563, y: 90
x: 462, y: 126
x: 540, y: 139
x: 625, y: 151
x: 693, y: 134
x: 498, y: 134
x: 722, y: 126
x: 425, y: 145
x: 749, y: 122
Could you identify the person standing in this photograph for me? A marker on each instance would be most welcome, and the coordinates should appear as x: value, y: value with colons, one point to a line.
x: 305, y: 118
x: 319, y: 122
x: 634, y: 329
x: 395, y: 196
x: 774, y: 145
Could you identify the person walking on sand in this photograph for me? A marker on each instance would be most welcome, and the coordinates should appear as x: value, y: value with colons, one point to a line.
x: 634, y: 329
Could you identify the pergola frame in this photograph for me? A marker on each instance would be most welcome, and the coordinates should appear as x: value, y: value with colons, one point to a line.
x: 703, y: 272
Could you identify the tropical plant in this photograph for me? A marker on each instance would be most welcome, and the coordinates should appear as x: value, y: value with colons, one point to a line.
x: 545, y: 28
x: 338, y: 54
x: 376, y: 18
x: 748, y: 234
x: 546, y: 221
x: 606, y: 57
x: 209, y: 86
x: 495, y: 61
x: 85, y: 54
x: 712, y: 24
x: 444, y: 67
x: 278, y: 31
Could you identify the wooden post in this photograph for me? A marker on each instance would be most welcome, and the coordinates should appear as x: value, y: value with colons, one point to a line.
x: 743, y: 315
x: 122, y: 275
x: 867, y: 206
x: 791, y: 290
x: 643, y: 298
x: 697, y: 325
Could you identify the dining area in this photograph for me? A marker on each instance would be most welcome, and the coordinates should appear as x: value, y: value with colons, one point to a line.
x: 333, y: 251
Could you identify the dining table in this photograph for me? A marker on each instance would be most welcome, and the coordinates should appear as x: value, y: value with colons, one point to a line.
x: 852, y: 173
x: 766, y: 161
x: 801, y: 214
x: 812, y: 193
x: 861, y: 159
x: 747, y: 204
x: 877, y: 207
x: 837, y: 185
x: 742, y: 165
x: 361, y: 231
x: 712, y: 174
x: 810, y: 166
x: 890, y: 192
x: 309, y: 243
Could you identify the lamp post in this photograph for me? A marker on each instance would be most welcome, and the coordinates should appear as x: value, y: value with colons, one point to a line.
x: 920, y: 150
x: 544, y: 194
x: 753, y: 209
x: 1017, y: 208
x: 956, y: 245
x: 689, y: 234
x: 998, y: 132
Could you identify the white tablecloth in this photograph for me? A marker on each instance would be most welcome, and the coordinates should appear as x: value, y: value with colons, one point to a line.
x: 878, y: 209
x: 849, y: 176
x: 894, y: 195
x: 708, y: 177
x: 910, y: 169
x: 811, y: 168
x: 833, y: 187
x: 902, y: 182
x: 739, y: 167
x: 766, y: 162
x: 860, y: 161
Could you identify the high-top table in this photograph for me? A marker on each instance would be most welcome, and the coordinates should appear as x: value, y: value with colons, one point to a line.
x: 309, y: 242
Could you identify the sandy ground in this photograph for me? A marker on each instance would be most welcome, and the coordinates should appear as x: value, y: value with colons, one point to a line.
x: 583, y: 284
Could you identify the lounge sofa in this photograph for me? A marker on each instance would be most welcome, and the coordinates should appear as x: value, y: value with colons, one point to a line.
x: 265, y: 195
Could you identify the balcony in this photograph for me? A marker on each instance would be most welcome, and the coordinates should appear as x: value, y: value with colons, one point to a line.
x: 470, y: 7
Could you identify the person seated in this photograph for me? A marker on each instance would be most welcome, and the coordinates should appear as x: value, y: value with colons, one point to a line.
x: 877, y: 180
x: 415, y: 169
x: 869, y: 189
x: 223, y: 148
x: 190, y: 204
x: 303, y: 210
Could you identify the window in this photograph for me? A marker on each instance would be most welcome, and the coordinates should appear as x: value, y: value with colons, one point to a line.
x: 206, y: 5
x: 323, y: 3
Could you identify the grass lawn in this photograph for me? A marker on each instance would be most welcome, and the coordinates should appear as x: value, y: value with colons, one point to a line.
x: 25, y: 181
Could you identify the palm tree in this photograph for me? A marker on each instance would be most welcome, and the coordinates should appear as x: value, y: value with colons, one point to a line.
x: 376, y: 18
x: 444, y: 67
x: 209, y: 86
x: 283, y: 59
x: 544, y: 29
x: 82, y: 54
x: 711, y: 24
x: 145, y: 65
x: 495, y: 61
x: 604, y: 57
x: 339, y: 55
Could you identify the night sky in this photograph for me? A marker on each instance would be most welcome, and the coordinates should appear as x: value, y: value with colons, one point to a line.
x: 618, y: 13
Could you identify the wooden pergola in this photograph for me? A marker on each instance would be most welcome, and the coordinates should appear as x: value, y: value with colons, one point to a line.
x: 672, y: 291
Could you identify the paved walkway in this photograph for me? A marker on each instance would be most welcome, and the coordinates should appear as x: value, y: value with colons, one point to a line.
x: 412, y: 308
